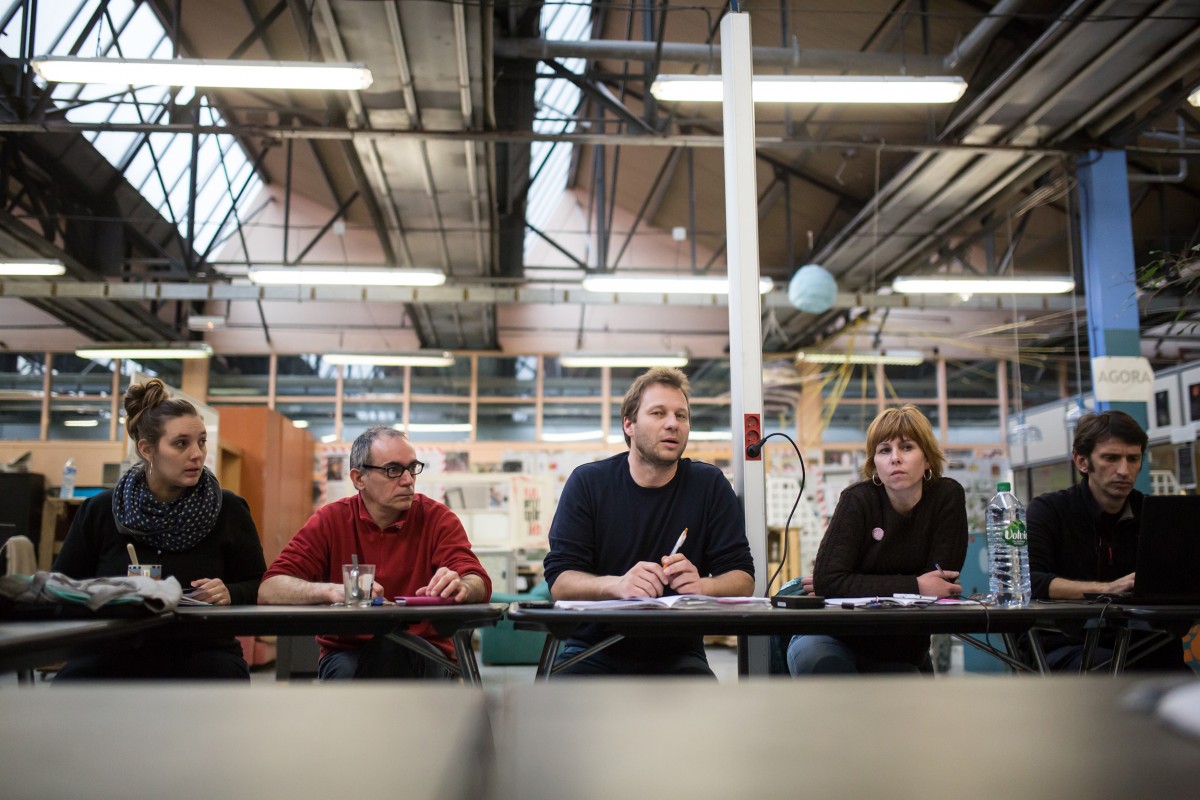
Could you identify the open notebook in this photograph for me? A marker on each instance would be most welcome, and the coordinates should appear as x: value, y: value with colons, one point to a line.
x: 684, y: 601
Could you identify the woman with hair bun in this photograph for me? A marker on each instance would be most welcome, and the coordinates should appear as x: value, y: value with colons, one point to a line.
x: 902, y: 530
x: 173, y: 511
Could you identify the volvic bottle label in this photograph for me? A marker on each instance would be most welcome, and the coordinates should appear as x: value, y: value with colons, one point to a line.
x: 1015, y: 534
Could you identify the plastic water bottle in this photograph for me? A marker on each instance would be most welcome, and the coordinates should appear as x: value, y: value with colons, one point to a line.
x: 1008, y: 551
x: 68, y: 481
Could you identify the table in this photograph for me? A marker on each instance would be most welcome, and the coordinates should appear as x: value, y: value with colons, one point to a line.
x: 967, y: 618
x: 453, y: 621
x: 28, y: 644
x: 895, y: 737
x: 1167, y: 625
x: 198, y: 740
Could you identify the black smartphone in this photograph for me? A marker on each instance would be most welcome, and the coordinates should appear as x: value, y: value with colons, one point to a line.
x: 797, y: 601
x: 537, y: 604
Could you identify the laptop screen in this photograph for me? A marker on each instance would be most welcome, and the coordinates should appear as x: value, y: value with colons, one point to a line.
x: 1168, y: 557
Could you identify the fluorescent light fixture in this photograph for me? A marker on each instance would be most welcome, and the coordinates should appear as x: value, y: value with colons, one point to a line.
x: 694, y: 436
x: 887, y: 89
x: 665, y: 284
x: 32, y: 267
x: 572, y: 436
x: 435, y: 427
x: 575, y: 360
x: 81, y: 423
x: 211, y: 73
x: 1194, y: 98
x: 710, y: 436
x: 329, y: 438
x: 431, y: 359
x: 346, y: 276
x: 300, y: 423
x: 141, y: 352
x: 908, y: 358
x: 968, y: 285
x: 205, y: 322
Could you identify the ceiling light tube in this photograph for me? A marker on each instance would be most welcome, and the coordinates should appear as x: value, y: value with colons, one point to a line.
x: 32, y: 267
x: 81, y: 423
x: 969, y: 285
x: 665, y: 284
x: 205, y: 72
x: 431, y: 359
x: 435, y: 427
x: 205, y: 322
x: 143, y: 352
x: 647, y: 360
x: 572, y: 436
x: 908, y: 358
x: 346, y: 276
x: 1194, y: 98
x: 710, y: 436
x: 883, y: 89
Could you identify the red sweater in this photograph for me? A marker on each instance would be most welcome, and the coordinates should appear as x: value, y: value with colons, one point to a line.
x: 405, y: 555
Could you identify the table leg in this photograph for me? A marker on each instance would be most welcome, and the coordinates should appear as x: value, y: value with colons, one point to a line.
x: 466, y: 658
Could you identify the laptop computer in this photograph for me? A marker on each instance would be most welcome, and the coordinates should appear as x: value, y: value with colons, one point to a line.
x: 1168, y: 557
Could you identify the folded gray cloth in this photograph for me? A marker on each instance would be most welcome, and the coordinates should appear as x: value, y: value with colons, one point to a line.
x: 56, y: 588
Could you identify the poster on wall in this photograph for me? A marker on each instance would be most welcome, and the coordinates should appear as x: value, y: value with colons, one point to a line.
x: 332, y: 477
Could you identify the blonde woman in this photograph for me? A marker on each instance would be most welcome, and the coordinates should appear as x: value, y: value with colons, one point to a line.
x: 902, y: 530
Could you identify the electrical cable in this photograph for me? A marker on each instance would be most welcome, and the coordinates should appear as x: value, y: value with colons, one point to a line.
x: 753, y: 451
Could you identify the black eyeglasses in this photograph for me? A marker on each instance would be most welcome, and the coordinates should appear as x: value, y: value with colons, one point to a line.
x: 394, y: 471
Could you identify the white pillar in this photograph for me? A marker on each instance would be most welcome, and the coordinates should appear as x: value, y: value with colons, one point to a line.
x: 745, y: 313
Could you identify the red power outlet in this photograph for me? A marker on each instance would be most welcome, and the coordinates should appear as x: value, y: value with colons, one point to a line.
x: 753, y: 434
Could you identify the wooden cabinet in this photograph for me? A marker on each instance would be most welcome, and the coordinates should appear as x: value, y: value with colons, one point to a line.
x: 57, y: 514
x: 276, y: 471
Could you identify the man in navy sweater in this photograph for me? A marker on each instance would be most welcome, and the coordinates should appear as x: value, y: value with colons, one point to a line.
x: 619, y: 519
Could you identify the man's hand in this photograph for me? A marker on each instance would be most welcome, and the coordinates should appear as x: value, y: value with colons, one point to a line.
x: 445, y: 583
x: 644, y: 579
x: 681, y: 574
x: 1121, y: 585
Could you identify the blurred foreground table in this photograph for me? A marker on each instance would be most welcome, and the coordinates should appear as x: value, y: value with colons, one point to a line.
x: 852, y: 737
x: 378, y: 739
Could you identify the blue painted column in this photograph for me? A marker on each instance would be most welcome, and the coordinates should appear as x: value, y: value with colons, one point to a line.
x: 1106, y: 233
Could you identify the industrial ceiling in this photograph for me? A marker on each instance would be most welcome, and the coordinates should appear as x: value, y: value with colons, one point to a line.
x: 431, y: 167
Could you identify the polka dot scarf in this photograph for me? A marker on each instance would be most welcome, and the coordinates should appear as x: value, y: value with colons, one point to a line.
x: 175, y: 526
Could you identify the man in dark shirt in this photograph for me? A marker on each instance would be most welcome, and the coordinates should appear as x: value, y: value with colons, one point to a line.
x: 619, y: 519
x: 1083, y: 540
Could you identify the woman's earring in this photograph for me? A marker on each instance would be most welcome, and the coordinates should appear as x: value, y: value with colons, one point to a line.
x: 875, y: 479
x: 150, y: 470
x: 928, y: 474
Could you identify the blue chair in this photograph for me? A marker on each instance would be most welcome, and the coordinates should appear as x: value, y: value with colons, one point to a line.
x: 503, y: 644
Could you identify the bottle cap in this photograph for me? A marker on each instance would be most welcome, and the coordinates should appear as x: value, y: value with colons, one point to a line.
x: 1004, y: 487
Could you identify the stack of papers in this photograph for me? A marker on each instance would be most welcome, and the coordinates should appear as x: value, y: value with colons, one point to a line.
x: 685, y: 601
x: 188, y: 600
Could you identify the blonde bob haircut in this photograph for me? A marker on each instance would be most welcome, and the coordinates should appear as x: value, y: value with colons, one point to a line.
x: 906, y: 422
